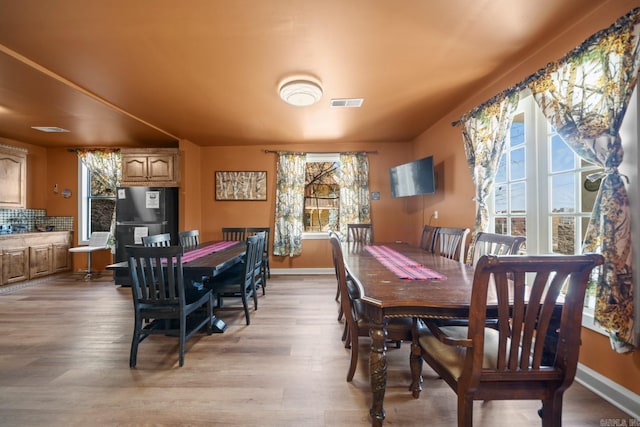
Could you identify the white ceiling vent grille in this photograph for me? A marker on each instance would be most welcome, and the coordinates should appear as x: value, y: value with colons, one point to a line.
x: 347, y: 102
x: 50, y: 129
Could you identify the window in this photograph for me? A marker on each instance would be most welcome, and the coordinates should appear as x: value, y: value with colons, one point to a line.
x: 571, y: 194
x: 542, y: 185
x: 542, y: 190
x: 510, y: 184
x: 321, y: 193
x: 99, y: 176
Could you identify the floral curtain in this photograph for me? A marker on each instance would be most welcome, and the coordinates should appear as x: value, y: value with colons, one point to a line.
x: 105, y: 168
x: 484, y: 131
x: 353, y: 178
x: 585, y: 97
x: 287, y: 236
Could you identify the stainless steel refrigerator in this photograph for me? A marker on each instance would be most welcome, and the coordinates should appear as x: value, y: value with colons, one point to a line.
x: 143, y: 211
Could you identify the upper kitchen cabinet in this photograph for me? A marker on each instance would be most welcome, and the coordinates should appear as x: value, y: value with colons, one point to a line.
x: 159, y: 167
x: 13, y: 177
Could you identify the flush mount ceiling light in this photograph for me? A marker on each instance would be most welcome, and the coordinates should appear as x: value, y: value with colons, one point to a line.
x: 300, y: 93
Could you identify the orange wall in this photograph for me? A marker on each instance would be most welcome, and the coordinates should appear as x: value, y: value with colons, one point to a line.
x: 455, y: 203
x: 62, y: 169
x: 389, y: 216
x: 190, y: 202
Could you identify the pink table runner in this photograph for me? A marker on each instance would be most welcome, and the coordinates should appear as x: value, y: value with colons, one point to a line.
x: 200, y: 252
x: 402, y: 266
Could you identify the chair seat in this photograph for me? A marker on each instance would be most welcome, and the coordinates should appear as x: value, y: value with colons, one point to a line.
x: 230, y: 276
x: 452, y: 357
x: 194, y: 292
x: 88, y: 248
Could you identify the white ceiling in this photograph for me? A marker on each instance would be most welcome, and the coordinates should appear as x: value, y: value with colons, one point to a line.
x: 151, y: 72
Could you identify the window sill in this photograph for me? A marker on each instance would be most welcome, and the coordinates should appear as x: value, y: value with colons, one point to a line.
x: 588, y: 322
x: 320, y: 235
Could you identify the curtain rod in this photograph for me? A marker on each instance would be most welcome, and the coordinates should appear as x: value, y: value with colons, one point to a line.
x: 320, y: 152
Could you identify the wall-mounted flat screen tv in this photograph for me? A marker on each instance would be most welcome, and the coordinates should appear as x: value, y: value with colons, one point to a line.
x: 413, y: 178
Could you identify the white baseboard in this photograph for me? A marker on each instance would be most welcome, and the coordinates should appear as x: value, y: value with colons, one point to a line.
x: 621, y: 397
x: 297, y: 271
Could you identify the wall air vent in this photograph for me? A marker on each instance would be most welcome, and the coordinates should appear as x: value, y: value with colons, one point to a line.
x: 347, y: 102
x: 50, y: 129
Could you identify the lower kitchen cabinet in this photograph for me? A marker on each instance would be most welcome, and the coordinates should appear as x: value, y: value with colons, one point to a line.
x: 30, y: 255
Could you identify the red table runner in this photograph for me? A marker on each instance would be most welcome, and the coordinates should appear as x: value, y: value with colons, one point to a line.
x: 402, y: 266
x: 200, y: 252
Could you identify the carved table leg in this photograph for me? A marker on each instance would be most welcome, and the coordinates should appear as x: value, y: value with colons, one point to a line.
x: 378, y: 373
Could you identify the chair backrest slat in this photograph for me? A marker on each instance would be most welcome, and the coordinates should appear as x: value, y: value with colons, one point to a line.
x: 253, y: 256
x: 530, y: 292
x: 162, y: 240
x: 359, y: 233
x: 234, y: 233
x: 156, y: 273
x: 450, y: 242
x: 254, y: 230
x: 189, y: 238
x: 494, y: 244
x: 428, y: 238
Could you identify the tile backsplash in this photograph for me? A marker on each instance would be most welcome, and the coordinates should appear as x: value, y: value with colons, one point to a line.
x: 27, y: 219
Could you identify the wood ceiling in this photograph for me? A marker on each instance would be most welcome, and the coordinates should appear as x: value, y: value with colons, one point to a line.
x: 151, y: 72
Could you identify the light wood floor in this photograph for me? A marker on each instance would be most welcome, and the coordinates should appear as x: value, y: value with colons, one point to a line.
x: 64, y: 361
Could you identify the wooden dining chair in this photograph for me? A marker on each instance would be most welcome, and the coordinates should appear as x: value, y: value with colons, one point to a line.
x: 266, y: 269
x: 237, y: 234
x: 157, y: 240
x: 240, y: 280
x: 189, y: 239
x: 488, y: 244
x: 450, y: 242
x: 428, y: 238
x: 398, y: 329
x: 520, y: 360
x: 159, y: 297
x: 494, y: 244
x: 359, y: 233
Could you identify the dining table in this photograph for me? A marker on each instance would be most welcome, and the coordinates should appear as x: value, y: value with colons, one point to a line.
x: 206, y: 260
x: 401, y: 280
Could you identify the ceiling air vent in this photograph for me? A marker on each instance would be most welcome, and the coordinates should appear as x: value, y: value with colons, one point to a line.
x: 50, y: 129
x: 347, y: 102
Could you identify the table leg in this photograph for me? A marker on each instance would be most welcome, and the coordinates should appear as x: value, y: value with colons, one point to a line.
x: 378, y: 373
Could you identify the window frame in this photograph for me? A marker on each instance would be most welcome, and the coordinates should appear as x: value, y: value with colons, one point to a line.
x: 317, y: 158
x: 84, y: 196
x: 538, y: 213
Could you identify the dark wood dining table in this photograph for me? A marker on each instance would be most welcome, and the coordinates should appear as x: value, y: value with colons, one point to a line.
x: 385, y: 295
x: 209, y: 264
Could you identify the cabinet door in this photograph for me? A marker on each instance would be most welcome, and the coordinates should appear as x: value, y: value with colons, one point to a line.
x: 61, y: 257
x: 13, y: 191
x: 160, y: 168
x: 15, y: 264
x: 134, y: 168
x: 40, y: 261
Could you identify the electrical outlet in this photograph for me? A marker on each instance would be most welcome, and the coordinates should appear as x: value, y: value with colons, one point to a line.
x: 435, y: 214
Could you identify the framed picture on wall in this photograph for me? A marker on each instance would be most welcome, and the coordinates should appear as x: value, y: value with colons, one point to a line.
x: 241, y: 185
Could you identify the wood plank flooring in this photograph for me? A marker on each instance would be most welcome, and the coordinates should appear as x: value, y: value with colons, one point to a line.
x: 64, y: 361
